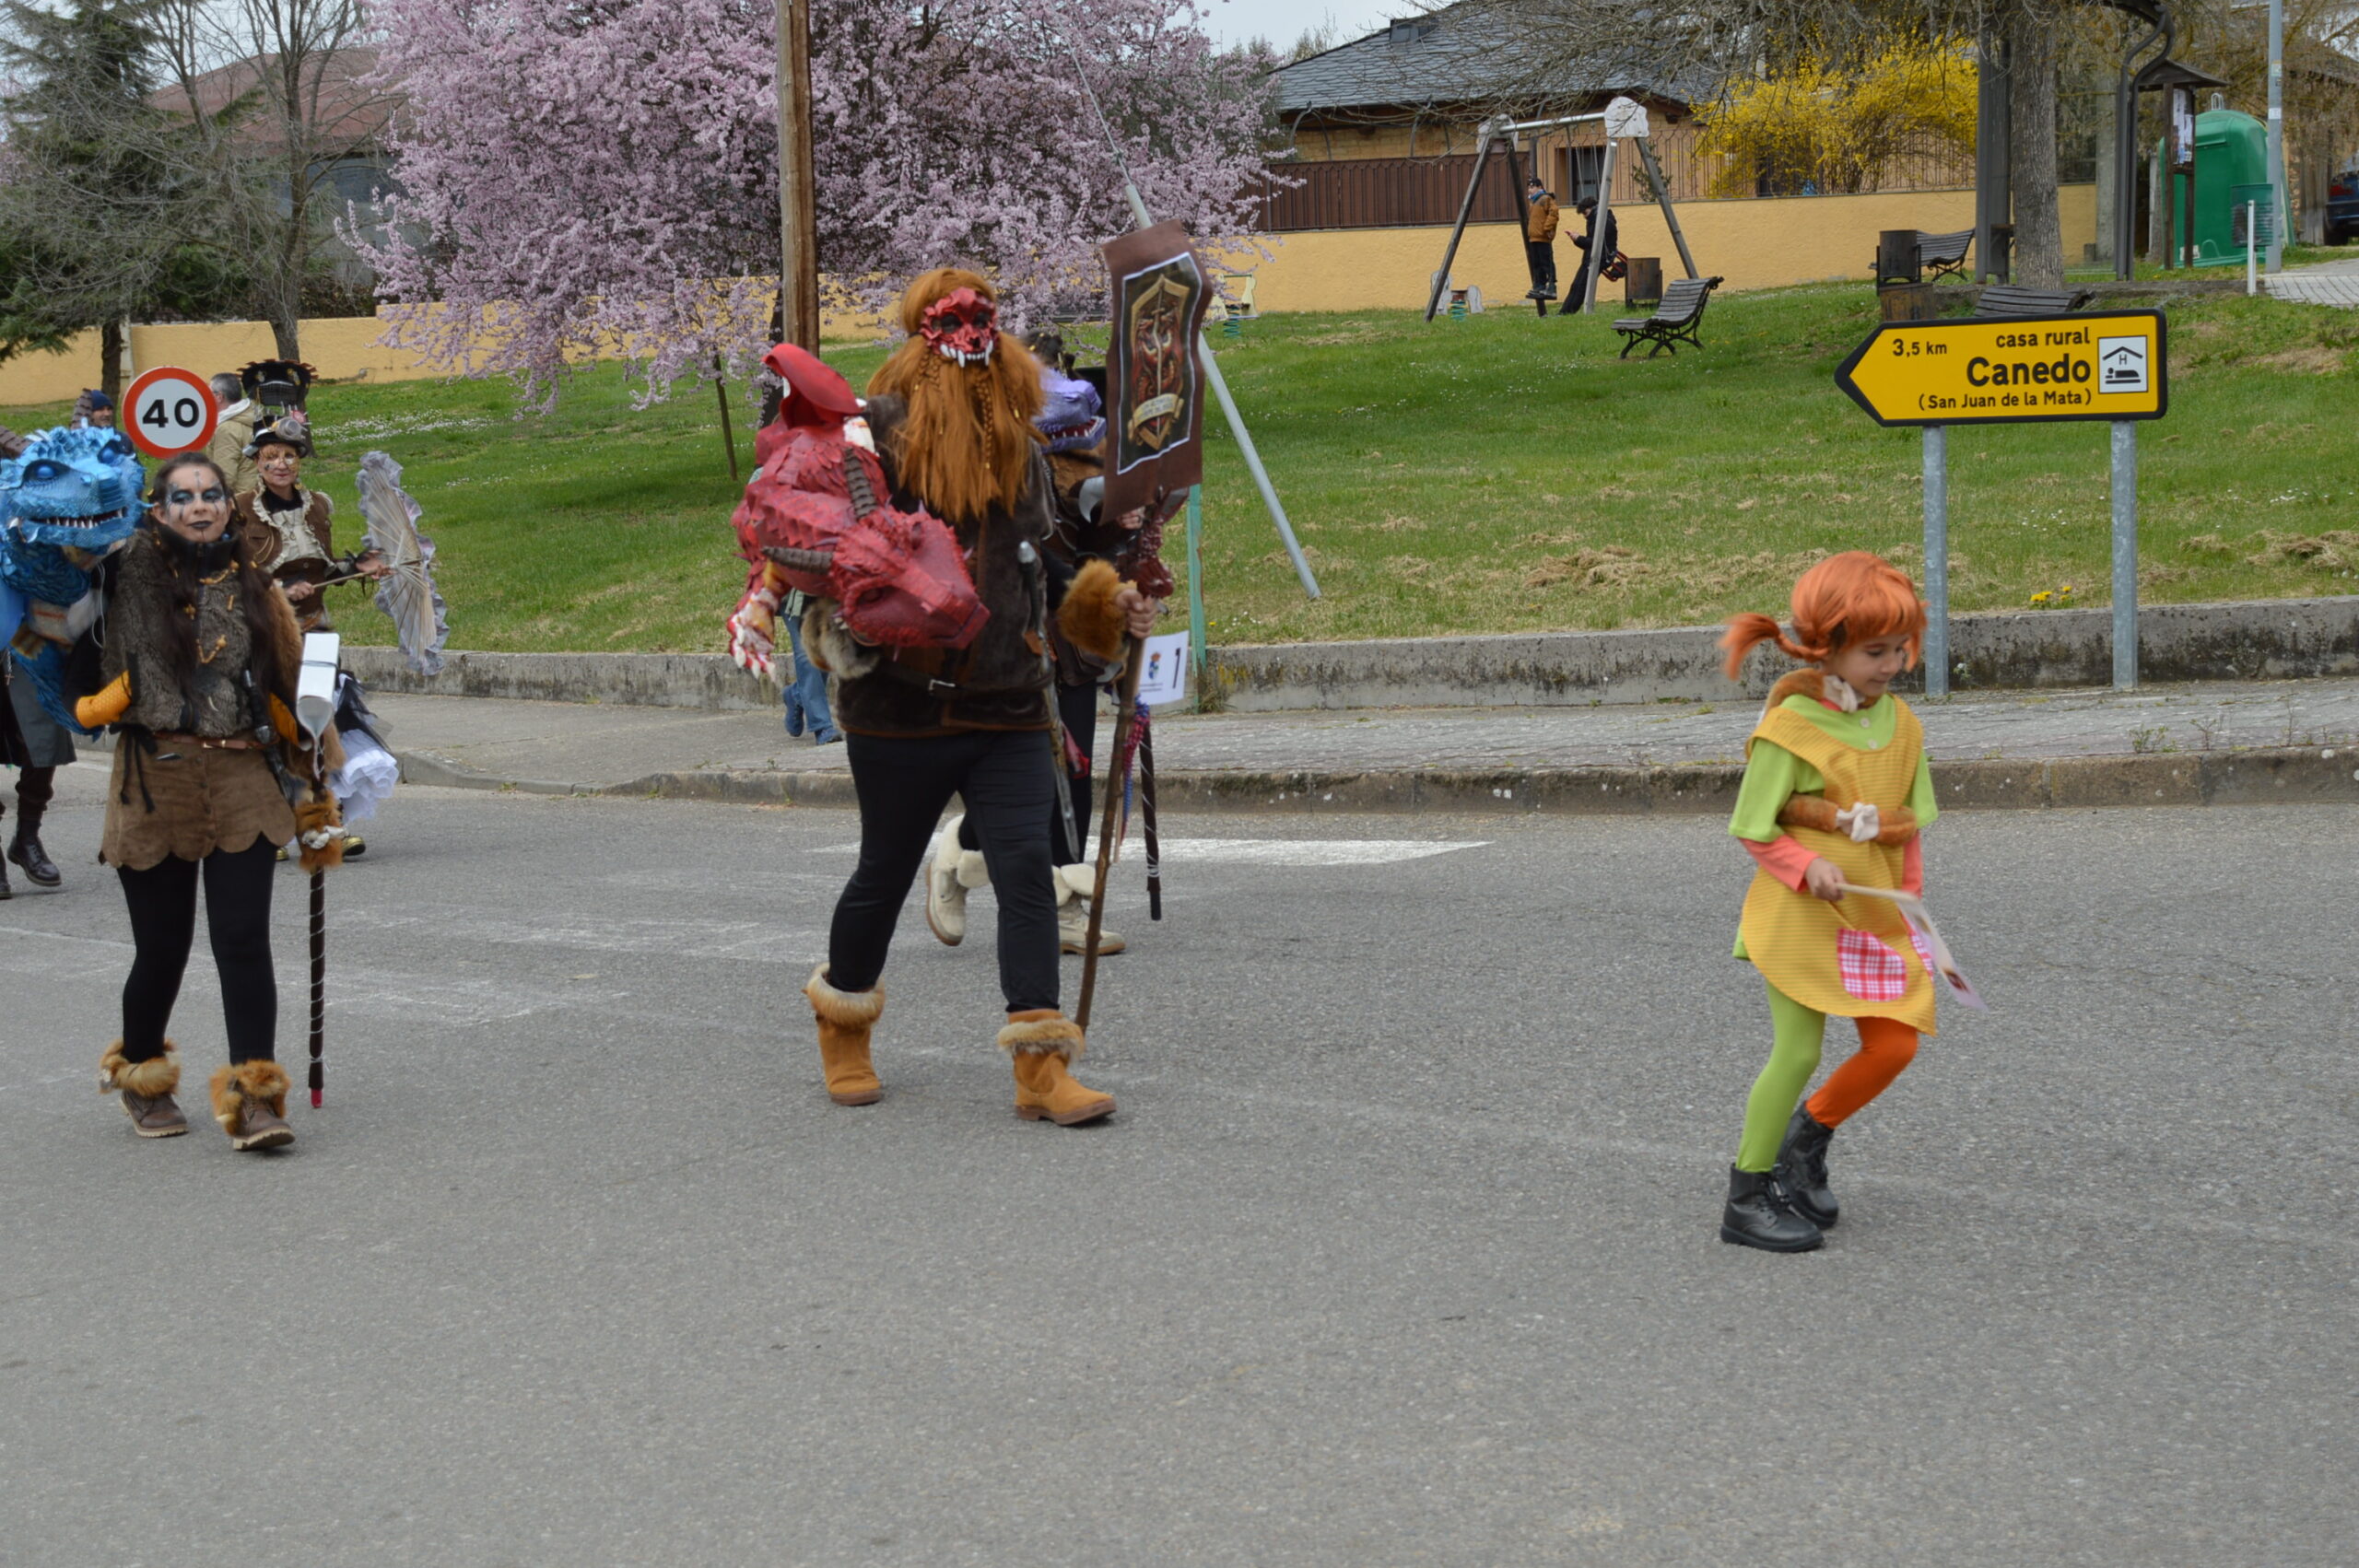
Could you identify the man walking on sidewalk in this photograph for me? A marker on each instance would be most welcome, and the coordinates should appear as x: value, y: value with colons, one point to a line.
x: 1540, y: 239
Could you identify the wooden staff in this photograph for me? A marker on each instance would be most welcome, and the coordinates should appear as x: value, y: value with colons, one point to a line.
x: 319, y: 980
x: 1146, y: 819
x: 1126, y: 705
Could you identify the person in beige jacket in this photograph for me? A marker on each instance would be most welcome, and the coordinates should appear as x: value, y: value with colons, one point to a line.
x: 1540, y: 239
x: 227, y: 447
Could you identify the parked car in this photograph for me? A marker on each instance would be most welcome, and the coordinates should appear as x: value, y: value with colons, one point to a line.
x: 2343, y: 206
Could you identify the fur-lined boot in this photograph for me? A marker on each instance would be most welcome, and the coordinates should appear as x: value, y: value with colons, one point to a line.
x: 147, y: 1090
x: 845, y: 1019
x: 250, y: 1101
x: 950, y: 873
x: 1044, y: 1043
x: 1074, y: 885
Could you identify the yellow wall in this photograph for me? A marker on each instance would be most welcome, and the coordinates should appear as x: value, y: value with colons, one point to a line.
x: 340, y: 348
x: 1753, y: 245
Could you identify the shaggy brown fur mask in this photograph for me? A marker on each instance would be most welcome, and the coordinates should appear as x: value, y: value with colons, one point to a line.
x: 966, y: 442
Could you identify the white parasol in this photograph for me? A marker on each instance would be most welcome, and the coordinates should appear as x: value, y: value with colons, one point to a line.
x: 406, y: 593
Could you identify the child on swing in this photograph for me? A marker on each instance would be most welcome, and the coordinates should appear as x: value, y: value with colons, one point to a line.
x: 1836, y: 792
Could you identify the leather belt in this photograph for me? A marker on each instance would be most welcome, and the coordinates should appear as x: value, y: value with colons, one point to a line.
x: 207, y: 744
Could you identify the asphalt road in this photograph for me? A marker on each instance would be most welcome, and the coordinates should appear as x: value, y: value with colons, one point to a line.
x: 1400, y: 1252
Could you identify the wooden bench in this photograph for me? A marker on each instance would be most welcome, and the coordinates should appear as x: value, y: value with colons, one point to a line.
x: 1943, y: 255
x: 2003, y: 299
x: 1674, y: 320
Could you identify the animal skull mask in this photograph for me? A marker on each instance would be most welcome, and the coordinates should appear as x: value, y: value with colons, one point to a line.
x: 963, y: 327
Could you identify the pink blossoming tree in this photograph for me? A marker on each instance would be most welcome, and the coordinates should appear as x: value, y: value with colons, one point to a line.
x: 582, y: 176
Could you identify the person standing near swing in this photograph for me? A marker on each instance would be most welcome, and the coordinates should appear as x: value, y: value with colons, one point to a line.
x: 1540, y: 219
x: 201, y: 654
x: 1593, y: 254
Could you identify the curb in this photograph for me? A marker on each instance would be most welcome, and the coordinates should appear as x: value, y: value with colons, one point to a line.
x: 2246, y: 640
x: 2274, y: 776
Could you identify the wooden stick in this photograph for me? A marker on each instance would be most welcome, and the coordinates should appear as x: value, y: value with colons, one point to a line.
x: 319, y: 980
x: 1126, y: 704
x: 1146, y: 816
x: 728, y: 439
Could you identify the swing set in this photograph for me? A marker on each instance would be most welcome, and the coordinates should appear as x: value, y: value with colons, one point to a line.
x: 1625, y: 120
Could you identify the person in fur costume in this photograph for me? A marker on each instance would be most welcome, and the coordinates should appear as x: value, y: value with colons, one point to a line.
x: 951, y: 413
x: 201, y: 654
x: 1836, y: 794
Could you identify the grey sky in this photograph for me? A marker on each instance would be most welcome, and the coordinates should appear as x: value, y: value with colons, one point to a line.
x: 1283, y: 21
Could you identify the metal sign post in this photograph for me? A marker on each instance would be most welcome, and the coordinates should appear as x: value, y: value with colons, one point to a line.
x: 2125, y: 554
x: 2000, y: 370
x: 1937, y: 560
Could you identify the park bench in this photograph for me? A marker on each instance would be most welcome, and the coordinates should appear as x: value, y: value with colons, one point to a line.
x: 1943, y: 255
x: 1674, y: 320
x: 2002, y: 299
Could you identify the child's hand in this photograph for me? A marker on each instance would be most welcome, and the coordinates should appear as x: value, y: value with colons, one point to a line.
x: 1822, y: 880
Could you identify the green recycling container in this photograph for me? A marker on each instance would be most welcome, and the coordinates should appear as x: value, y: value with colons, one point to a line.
x: 2231, y: 150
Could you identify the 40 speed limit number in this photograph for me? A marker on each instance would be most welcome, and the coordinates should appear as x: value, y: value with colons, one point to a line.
x: 169, y: 411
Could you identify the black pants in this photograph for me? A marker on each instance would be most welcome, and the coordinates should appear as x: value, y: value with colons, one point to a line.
x: 1540, y: 255
x: 163, y: 924
x: 903, y: 783
x: 34, y: 787
x: 1077, y: 708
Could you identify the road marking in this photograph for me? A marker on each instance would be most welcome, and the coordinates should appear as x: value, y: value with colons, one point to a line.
x: 1278, y: 851
x: 758, y: 940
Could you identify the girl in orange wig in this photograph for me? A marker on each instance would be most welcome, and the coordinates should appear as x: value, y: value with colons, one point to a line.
x: 1836, y: 792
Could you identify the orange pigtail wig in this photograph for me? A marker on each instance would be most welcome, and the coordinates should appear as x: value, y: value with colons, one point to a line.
x: 966, y: 442
x: 1843, y: 598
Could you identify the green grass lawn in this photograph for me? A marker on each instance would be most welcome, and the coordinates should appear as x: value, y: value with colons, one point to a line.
x: 1496, y: 473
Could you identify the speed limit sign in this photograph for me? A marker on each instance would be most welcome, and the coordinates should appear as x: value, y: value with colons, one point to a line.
x: 170, y: 411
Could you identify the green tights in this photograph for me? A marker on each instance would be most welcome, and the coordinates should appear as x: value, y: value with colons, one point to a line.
x: 1886, y: 1045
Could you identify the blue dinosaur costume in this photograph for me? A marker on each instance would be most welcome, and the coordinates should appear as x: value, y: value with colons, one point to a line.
x: 70, y: 501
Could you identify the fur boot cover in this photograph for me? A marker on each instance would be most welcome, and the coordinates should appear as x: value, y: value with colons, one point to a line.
x: 1042, y: 1032
x: 261, y: 1082
x: 1088, y: 616
x: 851, y: 1009
x: 829, y: 645
x: 157, y: 1076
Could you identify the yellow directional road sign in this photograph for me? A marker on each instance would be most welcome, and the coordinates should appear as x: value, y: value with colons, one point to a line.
x: 2035, y: 368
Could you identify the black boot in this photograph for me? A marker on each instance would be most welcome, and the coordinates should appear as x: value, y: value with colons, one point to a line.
x: 1758, y: 1215
x: 1801, y: 1169
x: 26, y: 851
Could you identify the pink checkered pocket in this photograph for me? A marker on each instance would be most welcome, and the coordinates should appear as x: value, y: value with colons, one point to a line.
x: 1871, y: 971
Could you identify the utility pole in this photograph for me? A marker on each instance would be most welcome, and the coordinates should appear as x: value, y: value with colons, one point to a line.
x: 2282, y: 215
x: 798, y: 211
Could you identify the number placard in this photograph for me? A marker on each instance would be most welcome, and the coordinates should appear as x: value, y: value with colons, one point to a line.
x: 169, y: 411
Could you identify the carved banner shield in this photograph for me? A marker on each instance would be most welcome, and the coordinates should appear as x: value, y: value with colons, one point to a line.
x: 1158, y: 296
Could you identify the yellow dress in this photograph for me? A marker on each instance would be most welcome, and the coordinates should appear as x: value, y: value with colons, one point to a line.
x: 1854, y: 959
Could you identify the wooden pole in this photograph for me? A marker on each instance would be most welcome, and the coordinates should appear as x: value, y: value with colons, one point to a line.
x: 1126, y: 704
x: 728, y: 439
x: 798, y: 211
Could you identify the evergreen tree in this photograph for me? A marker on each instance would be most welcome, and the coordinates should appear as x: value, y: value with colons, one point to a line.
x: 97, y: 226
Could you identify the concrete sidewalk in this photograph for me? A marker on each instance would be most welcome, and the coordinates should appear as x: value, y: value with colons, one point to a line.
x: 2228, y: 744
x: 2322, y: 283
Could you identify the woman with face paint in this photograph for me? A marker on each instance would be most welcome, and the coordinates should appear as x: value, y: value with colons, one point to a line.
x: 201, y: 657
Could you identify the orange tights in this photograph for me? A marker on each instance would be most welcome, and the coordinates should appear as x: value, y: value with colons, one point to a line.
x: 1886, y: 1045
